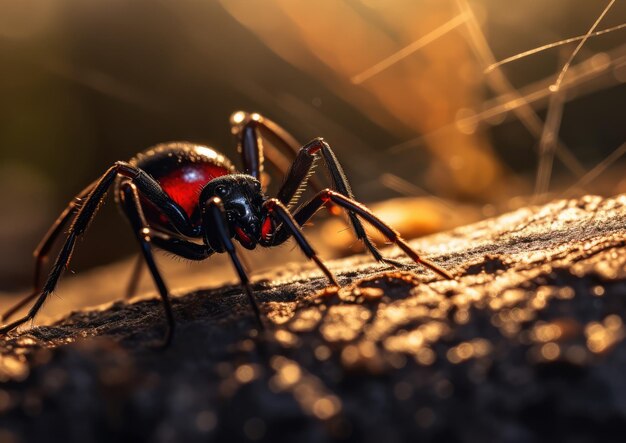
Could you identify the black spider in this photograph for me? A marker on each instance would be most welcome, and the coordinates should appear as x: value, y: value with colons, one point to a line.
x: 191, y: 201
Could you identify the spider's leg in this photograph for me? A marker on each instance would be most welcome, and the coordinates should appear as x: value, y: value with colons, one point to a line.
x: 146, y: 236
x: 129, y: 197
x: 326, y: 196
x: 251, y: 129
x: 85, y: 214
x: 96, y: 193
x: 148, y: 187
x: 43, y: 250
x: 215, y: 217
x: 132, y: 209
x: 249, y: 143
x: 57, y: 269
x: 167, y: 244
x: 282, y: 214
x: 298, y: 175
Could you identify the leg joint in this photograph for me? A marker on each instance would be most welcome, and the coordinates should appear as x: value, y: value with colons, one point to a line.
x: 271, y: 204
x: 125, y: 169
x: 128, y: 189
x: 240, y: 120
x: 314, y: 146
x: 328, y: 194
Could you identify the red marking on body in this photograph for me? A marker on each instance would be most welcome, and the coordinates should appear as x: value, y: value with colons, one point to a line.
x: 242, y: 235
x: 266, y: 229
x: 184, y: 184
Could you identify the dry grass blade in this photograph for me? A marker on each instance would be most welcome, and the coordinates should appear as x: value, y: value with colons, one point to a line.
x: 499, y: 83
x: 559, y: 80
x: 550, y: 46
x: 547, y: 144
x: 598, y: 169
x: 410, y: 49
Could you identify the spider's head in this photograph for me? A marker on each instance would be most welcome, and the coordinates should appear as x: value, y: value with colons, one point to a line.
x: 242, y: 198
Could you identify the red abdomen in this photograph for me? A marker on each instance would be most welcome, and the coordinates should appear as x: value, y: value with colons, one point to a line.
x: 182, y: 169
x: 185, y: 183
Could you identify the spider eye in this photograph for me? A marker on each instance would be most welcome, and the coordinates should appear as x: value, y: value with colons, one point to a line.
x: 257, y: 186
x: 221, y: 191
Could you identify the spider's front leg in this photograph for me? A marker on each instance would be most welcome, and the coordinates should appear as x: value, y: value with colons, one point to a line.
x: 214, y: 221
x: 327, y: 196
x: 281, y: 214
x: 252, y: 130
x: 146, y: 236
x: 296, y: 180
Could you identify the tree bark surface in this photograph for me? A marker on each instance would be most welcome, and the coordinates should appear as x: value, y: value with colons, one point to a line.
x: 525, y: 344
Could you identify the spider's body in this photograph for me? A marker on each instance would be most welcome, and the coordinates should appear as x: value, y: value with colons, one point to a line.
x: 191, y: 201
x: 182, y: 169
x: 190, y: 174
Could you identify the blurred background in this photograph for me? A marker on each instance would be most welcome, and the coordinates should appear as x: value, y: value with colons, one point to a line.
x: 399, y: 89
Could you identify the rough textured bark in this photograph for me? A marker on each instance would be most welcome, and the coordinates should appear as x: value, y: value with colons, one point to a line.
x: 526, y: 344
